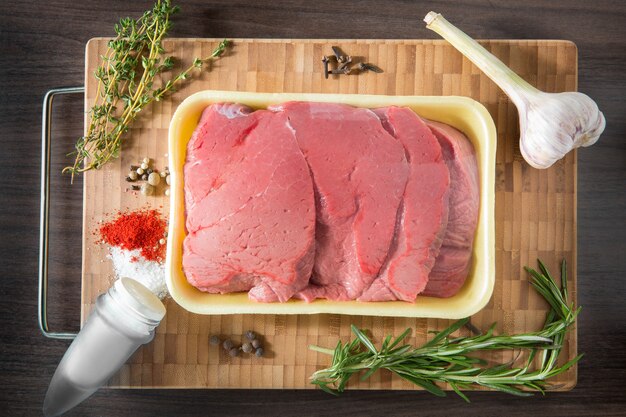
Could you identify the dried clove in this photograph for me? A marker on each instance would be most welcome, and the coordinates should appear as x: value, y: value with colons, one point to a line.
x: 344, y: 64
x: 366, y: 66
x: 344, y: 70
x: 325, y: 61
x: 339, y: 54
x: 347, y: 61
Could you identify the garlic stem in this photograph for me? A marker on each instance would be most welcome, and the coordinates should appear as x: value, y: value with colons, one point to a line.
x: 507, y: 80
x: 551, y: 124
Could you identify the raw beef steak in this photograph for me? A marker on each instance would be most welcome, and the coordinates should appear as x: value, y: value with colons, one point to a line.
x: 359, y: 172
x: 249, y: 203
x: 424, y: 211
x: 454, y: 259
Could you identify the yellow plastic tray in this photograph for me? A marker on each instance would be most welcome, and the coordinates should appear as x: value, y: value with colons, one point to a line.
x: 463, y: 113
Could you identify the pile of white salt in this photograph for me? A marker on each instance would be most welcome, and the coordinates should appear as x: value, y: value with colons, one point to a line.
x: 131, y: 264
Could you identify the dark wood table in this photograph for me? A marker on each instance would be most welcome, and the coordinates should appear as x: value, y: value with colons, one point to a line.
x: 42, y: 46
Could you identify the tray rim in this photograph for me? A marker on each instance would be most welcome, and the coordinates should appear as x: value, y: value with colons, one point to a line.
x: 469, y: 114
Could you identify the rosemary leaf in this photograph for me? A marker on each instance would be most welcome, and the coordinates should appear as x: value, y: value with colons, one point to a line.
x: 448, y: 360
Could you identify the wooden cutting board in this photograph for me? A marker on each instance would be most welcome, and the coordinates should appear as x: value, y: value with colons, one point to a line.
x: 535, y: 209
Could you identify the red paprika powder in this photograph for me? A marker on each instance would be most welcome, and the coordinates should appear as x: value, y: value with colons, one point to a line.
x: 137, y: 230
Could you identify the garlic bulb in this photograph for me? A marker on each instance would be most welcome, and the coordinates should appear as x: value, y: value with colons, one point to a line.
x: 551, y: 124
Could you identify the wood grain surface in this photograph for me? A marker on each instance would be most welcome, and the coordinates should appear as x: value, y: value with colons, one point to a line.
x: 535, y: 213
x: 42, y: 46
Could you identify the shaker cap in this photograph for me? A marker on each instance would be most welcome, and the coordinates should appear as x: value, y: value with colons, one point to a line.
x: 140, y: 299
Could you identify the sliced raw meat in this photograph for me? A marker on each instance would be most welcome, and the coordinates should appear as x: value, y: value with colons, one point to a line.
x: 368, y: 205
x: 250, y: 206
x: 360, y: 172
x: 454, y: 260
x: 424, y: 212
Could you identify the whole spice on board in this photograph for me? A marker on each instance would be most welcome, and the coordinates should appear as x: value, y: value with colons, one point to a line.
x: 129, y: 79
x: 150, y: 176
x: 252, y: 346
x: 142, y: 230
x: 344, y: 64
x: 154, y: 179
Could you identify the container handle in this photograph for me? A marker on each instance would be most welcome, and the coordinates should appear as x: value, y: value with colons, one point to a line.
x: 45, y: 211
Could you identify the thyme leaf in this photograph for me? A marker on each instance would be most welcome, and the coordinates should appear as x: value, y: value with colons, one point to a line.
x: 127, y: 82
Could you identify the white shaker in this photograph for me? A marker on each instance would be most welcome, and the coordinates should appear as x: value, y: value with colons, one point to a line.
x: 124, y: 318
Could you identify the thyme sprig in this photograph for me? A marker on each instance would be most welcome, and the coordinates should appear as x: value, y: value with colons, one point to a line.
x: 447, y: 358
x: 129, y: 79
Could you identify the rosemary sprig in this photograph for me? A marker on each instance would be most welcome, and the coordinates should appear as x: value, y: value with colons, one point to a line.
x: 127, y: 83
x: 447, y: 359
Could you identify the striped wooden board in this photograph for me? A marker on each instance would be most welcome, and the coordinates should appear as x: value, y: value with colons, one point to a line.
x: 535, y: 210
